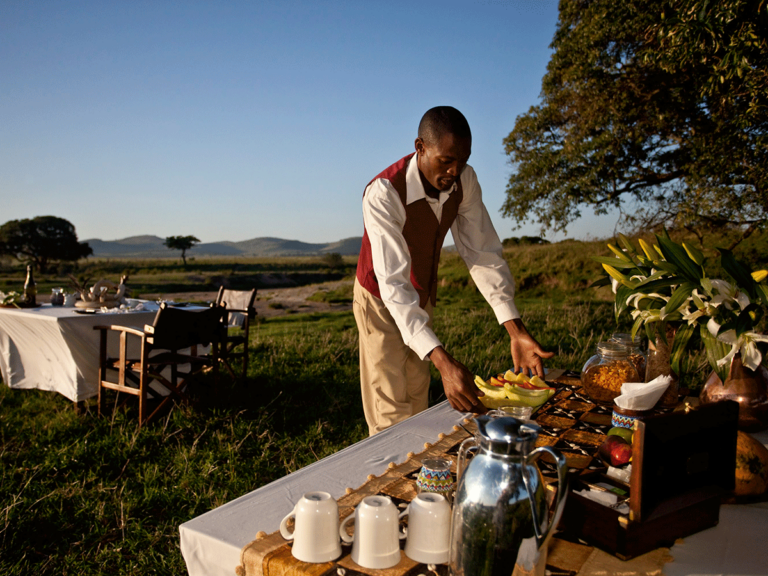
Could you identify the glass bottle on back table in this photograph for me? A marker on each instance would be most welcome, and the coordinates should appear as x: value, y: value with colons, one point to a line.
x: 30, y: 288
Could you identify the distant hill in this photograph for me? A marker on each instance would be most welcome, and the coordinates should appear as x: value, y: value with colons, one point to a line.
x: 153, y: 247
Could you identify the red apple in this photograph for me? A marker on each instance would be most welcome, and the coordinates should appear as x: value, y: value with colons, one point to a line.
x: 606, y: 448
x: 621, y: 454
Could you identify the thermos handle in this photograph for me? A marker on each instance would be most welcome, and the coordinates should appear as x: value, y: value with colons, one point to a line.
x: 462, y: 456
x: 562, y: 492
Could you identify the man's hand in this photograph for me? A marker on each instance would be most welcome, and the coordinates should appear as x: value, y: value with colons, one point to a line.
x: 458, y: 382
x: 527, y: 353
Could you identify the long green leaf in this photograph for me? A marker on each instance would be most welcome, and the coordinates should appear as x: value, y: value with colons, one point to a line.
x: 738, y: 272
x: 694, y: 253
x: 627, y: 244
x: 619, y: 253
x: 622, y: 293
x: 636, y: 327
x: 602, y: 281
x: 679, y: 345
x: 680, y: 295
x: 715, y: 350
x: 615, y: 262
x: 762, y: 293
x: 666, y: 266
x: 677, y: 255
x: 655, y: 285
x: 650, y: 331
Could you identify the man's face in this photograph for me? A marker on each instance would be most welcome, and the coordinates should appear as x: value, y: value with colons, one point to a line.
x: 442, y: 163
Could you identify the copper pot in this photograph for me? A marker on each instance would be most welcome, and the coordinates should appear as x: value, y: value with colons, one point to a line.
x: 747, y: 387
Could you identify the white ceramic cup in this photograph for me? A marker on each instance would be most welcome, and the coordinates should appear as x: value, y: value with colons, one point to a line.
x: 376, y: 540
x: 316, y: 531
x: 429, y: 529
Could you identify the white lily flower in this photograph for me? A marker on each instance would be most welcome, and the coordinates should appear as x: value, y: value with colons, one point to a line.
x: 713, y: 327
x: 726, y: 294
x: 746, y: 344
x: 691, y: 317
x: 634, y: 299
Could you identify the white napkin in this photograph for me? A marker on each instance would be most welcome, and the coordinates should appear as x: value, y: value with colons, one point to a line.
x: 604, y: 498
x: 642, y: 395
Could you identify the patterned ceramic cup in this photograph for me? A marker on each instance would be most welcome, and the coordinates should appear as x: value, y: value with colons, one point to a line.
x: 625, y: 418
x: 435, y: 477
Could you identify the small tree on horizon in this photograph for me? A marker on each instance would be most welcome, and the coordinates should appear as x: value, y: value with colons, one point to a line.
x: 182, y: 243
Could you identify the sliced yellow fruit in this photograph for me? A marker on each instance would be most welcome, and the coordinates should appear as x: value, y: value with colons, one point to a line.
x: 510, y: 376
x: 526, y: 400
x: 522, y: 377
x: 496, y: 382
x: 493, y: 403
x: 493, y: 391
x: 480, y: 382
x: 539, y: 392
x: 536, y: 381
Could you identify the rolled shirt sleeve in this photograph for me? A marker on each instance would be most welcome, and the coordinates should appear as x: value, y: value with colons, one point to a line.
x: 384, y: 218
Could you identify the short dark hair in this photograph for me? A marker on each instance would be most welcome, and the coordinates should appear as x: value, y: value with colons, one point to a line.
x: 442, y: 120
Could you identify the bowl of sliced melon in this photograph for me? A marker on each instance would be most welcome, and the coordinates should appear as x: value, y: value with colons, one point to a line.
x: 510, y: 389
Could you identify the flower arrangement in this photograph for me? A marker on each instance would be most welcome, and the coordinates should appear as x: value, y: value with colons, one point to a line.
x: 10, y: 299
x: 666, y: 284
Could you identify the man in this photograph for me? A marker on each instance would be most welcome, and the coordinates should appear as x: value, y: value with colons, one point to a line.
x: 407, y: 211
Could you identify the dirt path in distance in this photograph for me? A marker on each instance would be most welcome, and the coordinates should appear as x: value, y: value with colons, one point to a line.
x: 272, y: 301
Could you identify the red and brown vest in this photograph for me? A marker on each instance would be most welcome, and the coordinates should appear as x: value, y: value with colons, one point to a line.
x: 423, y: 234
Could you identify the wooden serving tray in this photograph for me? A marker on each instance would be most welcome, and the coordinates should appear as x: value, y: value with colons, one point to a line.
x: 683, y: 463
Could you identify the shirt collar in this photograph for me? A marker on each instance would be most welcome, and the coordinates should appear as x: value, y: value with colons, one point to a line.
x: 415, y: 188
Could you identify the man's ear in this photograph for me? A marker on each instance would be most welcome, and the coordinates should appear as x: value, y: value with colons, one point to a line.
x: 419, y: 144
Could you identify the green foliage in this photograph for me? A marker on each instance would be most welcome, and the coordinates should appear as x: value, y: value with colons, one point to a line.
x: 42, y: 240
x: 523, y: 241
x: 182, y: 243
x: 333, y: 260
x: 657, y: 109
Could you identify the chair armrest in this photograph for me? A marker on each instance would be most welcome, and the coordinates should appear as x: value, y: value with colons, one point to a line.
x: 116, y: 328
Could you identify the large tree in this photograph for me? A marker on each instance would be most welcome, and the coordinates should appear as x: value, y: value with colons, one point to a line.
x: 658, y: 109
x: 182, y: 243
x: 42, y: 240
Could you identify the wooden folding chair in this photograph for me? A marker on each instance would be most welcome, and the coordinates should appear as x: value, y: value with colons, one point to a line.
x: 170, y: 356
x: 239, y: 306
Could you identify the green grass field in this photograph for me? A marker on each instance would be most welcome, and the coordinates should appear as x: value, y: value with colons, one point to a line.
x: 82, y: 494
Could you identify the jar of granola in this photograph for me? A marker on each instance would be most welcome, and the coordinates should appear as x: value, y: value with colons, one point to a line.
x: 604, y: 373
x: 635, y: 349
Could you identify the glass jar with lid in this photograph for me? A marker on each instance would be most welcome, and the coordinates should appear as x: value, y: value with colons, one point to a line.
x: 636, y: 353
x: 604, y: 373
x: 57, y: 297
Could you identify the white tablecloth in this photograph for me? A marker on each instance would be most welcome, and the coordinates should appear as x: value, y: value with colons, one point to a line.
x: 54, y: 348
x: 211, y: 543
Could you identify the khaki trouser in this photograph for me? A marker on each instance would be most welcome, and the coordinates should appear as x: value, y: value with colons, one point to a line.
x: 394, y: 381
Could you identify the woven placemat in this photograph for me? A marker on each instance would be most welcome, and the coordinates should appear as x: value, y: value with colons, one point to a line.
x: 570, y: 423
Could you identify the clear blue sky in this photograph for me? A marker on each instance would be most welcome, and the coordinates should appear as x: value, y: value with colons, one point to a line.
x: 234, y: 120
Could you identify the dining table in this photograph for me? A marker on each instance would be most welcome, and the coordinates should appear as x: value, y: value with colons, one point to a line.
x: 212, y: 543
x: 56, y: 348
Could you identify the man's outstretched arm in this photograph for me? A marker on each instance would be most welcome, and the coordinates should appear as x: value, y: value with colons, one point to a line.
x: 458, y: 382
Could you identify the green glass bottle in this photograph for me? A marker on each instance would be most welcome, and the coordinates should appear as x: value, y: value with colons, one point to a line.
x: 30, y: 288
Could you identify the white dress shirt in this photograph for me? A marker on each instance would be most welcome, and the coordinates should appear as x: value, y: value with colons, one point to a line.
x: 475, y: 238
